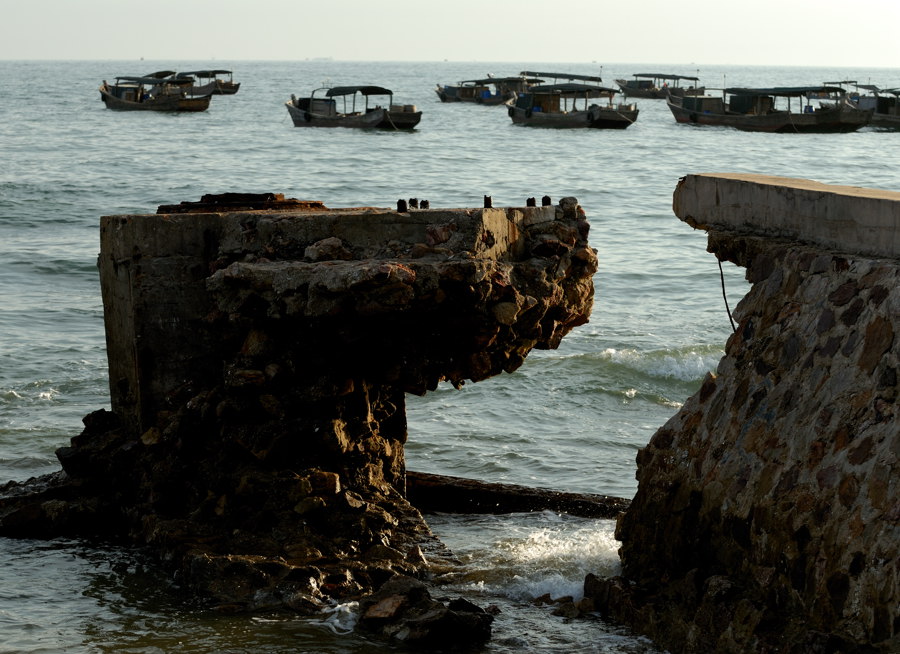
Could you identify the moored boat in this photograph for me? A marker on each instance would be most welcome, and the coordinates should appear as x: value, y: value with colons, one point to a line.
x: 215, y: 82
x: 134, y: 93
x: 321, y: 109
x: 884, y: 104
x: 572, y: 104
x: 659, y: 85
x: 770, y: 110
x: 489, y: 90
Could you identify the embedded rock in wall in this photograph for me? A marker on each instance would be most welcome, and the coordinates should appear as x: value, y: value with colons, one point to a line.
x: 259, y: 362
x: 767, y: 517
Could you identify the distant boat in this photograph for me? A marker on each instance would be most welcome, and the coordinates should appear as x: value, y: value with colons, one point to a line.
x: 488, y: 90
x: 884, y: 104
x: 769, y: 110
x: 215, y: 82
x: 130, y: 93
x: 557, y: 105
x: 323, y: 111
x: 659, y: 85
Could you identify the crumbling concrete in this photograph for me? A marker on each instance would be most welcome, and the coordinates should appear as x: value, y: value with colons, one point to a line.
x: 259, y: 362
x: 767, y: 517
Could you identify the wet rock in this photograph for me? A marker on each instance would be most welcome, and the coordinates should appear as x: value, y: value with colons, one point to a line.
x: 403, y: 610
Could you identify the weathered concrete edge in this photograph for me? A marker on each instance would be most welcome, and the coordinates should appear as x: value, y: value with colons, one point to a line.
x: 843, y: 218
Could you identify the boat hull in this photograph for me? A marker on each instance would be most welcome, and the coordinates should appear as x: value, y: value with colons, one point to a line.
x: 158, y: 103
x: 400, y: 118
x: 885, y: 121
x: 595, y: 117
x: 823, y: 121
x: 303, y: 118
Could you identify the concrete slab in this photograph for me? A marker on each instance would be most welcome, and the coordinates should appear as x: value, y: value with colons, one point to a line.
x: 845, y: 218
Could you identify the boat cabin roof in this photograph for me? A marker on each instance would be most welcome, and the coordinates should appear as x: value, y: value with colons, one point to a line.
x: 787, y: 91
x: 667, y: 76
x: 572, y: 89
x: 517, y: 78
x: 483, y: 80
x: 161, y: 73
x: 568, y: 76
x: 876, y: 90
x: 152, y: 80
x: 204, y: 73
x: 350, y: 90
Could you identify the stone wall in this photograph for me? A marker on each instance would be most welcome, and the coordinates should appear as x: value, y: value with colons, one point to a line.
x: 767, y: 517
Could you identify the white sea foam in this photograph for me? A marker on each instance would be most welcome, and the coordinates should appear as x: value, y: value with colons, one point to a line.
x: 10, y: 396
x: 523, y: 556
x: 686, y: 365
x: 341, y: 619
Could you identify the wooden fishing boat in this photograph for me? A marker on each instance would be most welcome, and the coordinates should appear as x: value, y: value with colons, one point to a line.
x: 769, y: 110
x: 322, y: 110
x: 130, y: 93
x: 489, y: 90
x: 884, y: 104
x: 659, y: 85
x: 573, y: 103
x: 215, y: 82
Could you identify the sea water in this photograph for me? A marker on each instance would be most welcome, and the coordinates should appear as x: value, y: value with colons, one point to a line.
x: 571, y: 419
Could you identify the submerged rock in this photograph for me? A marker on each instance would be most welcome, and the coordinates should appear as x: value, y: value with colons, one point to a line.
x: 403, y: 610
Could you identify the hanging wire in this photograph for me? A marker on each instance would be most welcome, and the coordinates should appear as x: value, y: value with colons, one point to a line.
x: 724, y: 296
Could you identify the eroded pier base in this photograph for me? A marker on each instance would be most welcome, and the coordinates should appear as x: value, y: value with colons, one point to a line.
x: 259, y: 361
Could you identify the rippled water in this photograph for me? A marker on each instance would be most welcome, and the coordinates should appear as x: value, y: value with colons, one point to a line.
x: 571, y: 419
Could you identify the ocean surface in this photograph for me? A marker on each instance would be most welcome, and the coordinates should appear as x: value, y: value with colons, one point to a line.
x: 570, y: 419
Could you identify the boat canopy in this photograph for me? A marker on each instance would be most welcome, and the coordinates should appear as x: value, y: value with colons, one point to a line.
x: 161, y: 73
x: 667, y: 76
x: 787, y: 91
x: 204, y: 73
x: 571, y: 89
x: 485, y: 80
x: 568, y: 76
x: 365, y: 90
x: 152, y: 80
x: 875, y: 89
x: 509, y: 80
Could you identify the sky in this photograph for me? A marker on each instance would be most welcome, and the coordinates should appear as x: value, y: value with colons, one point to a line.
x: 834, y: 33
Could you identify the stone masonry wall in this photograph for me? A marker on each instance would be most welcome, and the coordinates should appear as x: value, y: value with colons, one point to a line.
x: 767, y: 517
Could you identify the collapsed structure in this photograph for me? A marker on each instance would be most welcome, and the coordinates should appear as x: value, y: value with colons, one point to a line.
x: 260, y: 350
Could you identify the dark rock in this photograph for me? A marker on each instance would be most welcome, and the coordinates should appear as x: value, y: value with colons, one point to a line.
x: 403, y: 610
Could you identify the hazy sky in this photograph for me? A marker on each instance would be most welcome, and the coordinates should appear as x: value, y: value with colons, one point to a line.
x: 837, y: 33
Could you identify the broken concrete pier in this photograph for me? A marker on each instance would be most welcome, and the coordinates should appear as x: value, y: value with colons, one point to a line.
x: 767, y: 517
x: 259, y: 360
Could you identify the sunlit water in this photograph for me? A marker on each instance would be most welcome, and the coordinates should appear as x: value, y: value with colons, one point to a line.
x: 571, y: 419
